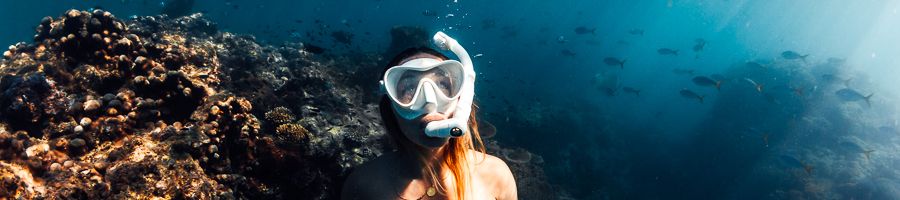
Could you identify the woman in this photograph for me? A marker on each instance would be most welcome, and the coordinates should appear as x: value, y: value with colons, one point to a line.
x: 433, y: 160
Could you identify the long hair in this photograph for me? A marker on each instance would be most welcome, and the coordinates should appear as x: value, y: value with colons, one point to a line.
x: 455, y: 152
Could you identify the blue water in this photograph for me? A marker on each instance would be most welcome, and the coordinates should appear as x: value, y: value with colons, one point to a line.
x: 795, y: 139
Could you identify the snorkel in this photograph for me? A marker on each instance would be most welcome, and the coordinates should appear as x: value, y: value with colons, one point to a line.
x: 457, y: 125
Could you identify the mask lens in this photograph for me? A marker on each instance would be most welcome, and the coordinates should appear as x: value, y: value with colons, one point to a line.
x: 446, y: 77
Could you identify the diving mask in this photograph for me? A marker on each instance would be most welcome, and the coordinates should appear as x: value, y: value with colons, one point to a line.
x: 427, y: 85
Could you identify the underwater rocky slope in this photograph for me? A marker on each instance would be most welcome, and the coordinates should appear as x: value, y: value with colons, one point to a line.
x: 100, y: 108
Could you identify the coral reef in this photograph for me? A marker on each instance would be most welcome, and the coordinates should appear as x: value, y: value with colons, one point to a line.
x: 160, y: 107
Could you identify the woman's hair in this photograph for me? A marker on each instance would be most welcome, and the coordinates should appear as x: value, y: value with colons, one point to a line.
x: 454, y: 153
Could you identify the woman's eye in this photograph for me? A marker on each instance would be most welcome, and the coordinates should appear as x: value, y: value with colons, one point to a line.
x: 445, y: 86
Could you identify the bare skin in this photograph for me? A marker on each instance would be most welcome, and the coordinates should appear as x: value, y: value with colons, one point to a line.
x: 396, y: 175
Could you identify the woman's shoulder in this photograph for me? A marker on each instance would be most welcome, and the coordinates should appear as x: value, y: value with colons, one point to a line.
x: 496, y: 174
x: 371, y: 173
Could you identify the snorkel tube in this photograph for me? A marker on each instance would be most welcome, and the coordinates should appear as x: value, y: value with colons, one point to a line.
x: 457, y: 125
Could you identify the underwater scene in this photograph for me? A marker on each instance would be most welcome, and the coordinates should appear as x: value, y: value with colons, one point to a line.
x: 282, y: 99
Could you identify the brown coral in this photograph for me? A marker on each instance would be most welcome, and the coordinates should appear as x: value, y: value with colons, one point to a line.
x: 280, y: 115
x: 292, y: 131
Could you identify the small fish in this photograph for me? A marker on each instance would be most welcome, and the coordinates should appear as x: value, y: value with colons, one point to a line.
x: 700, y: 43
x: 765, y: 137
x: 848, y: 94
x: 429, y: 13
x: 791, y: 55
x: 478, y: 55
x: 706, y: 81
x: 808, y: 169
x: 680, y: 71
x: 790, y: 161
x: 667, y: 51
x: 581, y: 30
x: 566, y: 52
x: 612, y: 61
x: 868, y: 153
x: 636, y: 32
x: 691, y: 94
x: 798, y: 90
x: 631, y: 90
x: 313, y: 48
x: 608, y: 91
x: 831, y: 78
x: 758, y: 86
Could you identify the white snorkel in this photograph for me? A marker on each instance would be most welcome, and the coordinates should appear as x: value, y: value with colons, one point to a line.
x: 457, y: 125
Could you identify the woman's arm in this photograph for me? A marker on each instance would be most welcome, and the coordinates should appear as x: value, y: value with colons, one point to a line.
x: 502, y: 182
x: 507, y: 183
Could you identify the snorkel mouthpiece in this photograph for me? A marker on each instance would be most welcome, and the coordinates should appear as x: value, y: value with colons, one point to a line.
x: 457, y: 125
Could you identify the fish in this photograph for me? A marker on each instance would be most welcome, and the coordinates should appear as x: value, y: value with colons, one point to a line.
x: 581, y: 30
x: 612, y: 61
x: 798, y: 90
x: 631, y: 90
x: 831, y: 78
x: 791, y: 55
x: 700, y: 43
x: 429, y: 13
x: 313, y: 48
x: 608, y: 91
x: 636, y: 31
x: 758, y: 86
x: 691, y: 94
x: 566, y: 52
x: 765, y: 137
x: 706, y: 81
x: 667, y: 51
x: 680, y: 71
x: 790, y: 161
x: 848, y: 94
x: 855, y: 148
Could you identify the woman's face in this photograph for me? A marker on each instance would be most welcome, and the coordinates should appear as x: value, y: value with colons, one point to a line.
x: 414, y: 129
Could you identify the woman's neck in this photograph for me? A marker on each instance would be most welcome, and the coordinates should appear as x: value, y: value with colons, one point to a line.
x: 410, y: 157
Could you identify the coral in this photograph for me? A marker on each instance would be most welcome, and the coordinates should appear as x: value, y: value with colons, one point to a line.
x: 292, y: 132
x: 517, y: 155
x: 280, y: 115
x: 486, y: 129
